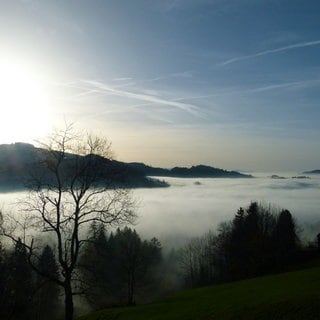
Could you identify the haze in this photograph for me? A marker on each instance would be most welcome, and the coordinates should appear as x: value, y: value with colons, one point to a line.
x: 186, y: 210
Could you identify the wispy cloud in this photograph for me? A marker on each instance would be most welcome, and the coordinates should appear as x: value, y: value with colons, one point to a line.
x: 149, y: 97
x: 253, y: 90
x: 104, y: 88
x: 187, y: 74
x: 285, y: 85
x: 271, y: 51
x: 122, y: 79
x: 170, y: 5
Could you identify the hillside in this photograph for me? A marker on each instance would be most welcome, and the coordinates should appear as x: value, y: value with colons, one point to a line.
x: 199, y: 171
x: 317, y: 171
x: 288, y: 296
x: 19, y: 160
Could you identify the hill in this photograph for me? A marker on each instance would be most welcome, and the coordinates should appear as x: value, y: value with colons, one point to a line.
x: 317, y: 171
x: 19, y: 160
x: 288, y: 296
x: 199, y: 171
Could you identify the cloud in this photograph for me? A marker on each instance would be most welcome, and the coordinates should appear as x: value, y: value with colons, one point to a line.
x: 188, y: 74
x: 293, y: 186
x: 271, y: 51
x: 186, y: 210
x: 151, y: 99
x: 185, y: 74
x: 122, y: 79
x: 252, y: 90
x: 219, y: 5
x: 285, y: 85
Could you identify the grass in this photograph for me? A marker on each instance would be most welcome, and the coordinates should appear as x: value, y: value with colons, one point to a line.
x: 288, y: 296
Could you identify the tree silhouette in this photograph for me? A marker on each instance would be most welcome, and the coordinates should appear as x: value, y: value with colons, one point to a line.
x: 259, y: 239
x: 117, y: 267
x: 71, y: 187
x: 47, y: 295
x: 21, y: 283
x: 198, y: 260
x: 5, y: 290
x: 285, y: 238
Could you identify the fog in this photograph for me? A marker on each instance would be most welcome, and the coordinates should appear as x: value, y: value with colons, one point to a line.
x: 190, y: 207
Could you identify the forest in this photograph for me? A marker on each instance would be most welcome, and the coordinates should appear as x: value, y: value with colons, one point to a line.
x: 119, y: 268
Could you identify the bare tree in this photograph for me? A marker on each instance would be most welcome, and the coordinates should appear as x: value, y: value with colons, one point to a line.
x: 197, y: 259
x: 71, y: 187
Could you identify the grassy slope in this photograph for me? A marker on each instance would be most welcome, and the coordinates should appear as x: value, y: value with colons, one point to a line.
x: 293, y: 295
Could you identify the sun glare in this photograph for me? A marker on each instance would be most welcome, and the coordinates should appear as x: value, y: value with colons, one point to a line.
x: 23, y: 103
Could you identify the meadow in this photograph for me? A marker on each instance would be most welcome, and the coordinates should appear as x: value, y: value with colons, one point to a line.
x: 288, y: 296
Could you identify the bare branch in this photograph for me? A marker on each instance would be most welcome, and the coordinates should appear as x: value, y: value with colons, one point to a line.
x: 70, y: 188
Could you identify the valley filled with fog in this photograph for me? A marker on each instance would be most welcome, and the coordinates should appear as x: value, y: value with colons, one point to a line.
x: 191, y: 207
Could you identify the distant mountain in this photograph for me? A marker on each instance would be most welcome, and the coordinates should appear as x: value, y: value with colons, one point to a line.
x: 275, y: 176
x: 199, y: 171
x: 19, y: 161
x: 16, y: 160
x: 312, y: 172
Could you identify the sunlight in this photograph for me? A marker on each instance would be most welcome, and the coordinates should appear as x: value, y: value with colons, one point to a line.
x: 23, y: 102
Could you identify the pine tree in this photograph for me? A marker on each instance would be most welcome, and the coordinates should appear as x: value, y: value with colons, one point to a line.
x: 47, y: 297
x: 285, y: 238
x: 21, y: 283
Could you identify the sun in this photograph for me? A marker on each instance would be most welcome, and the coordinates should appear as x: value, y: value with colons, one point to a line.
x: 24, y: 112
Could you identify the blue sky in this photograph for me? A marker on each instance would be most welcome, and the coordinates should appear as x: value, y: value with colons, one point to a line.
x: 234, y: 84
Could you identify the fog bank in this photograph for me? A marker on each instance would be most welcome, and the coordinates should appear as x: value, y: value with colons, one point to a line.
x: 190, y: 207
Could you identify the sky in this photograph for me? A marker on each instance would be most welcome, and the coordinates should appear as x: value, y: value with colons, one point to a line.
x: 232, y: 84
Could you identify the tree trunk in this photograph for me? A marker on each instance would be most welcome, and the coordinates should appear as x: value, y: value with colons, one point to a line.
x: 131, y: 289
x: 68, y: 300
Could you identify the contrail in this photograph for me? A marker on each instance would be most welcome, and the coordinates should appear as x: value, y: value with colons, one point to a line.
x: 102, y: 87
x: 266, y: 52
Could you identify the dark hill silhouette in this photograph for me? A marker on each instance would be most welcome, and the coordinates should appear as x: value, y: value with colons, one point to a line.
x: 19, y: 161
x: 200, y: 171
x: 317, y: 171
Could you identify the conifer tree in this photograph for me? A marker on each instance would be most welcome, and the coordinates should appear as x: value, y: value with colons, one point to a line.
x: 47, y: 296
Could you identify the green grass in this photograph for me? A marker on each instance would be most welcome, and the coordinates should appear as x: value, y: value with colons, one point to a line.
x: 287, y: 296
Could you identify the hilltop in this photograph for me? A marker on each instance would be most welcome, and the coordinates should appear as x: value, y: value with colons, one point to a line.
x: 199, y: 171
x: 19, y: 160
x: 317, y: 171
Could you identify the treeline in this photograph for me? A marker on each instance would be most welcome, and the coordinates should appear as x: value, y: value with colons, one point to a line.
x: 25, y: 294
x: 260, y: 239
x: 115, y: 269
x: 120, y: 268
